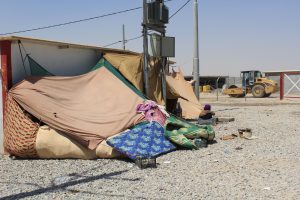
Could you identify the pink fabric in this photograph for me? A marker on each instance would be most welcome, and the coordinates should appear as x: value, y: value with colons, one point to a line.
x: 152, y: 112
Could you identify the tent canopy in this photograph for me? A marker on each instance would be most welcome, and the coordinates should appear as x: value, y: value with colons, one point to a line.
x: 129, y: 66
x: 179, y: 88
x: 88, y: 108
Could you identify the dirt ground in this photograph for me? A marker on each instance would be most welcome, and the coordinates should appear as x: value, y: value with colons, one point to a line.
x: 267, y: 167
x: 220, y: 99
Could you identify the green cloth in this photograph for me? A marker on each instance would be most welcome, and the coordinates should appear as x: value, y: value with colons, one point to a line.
x: 36, y: 69
x: 184, y: 133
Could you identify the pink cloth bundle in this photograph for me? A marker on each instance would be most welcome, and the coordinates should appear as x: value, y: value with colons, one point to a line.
x: 152, y: 112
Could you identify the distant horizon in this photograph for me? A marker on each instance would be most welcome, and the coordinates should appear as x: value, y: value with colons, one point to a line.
x: 233, y: 35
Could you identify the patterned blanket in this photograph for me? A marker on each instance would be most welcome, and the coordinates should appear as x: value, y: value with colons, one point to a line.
x: 144, y: 141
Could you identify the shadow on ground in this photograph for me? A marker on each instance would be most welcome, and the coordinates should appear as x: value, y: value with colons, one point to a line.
x: 75, y: 179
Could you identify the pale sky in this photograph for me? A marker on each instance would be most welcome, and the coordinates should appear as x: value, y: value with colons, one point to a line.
x: 234, y: 35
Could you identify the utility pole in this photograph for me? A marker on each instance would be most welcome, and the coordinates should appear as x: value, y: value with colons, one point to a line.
x: 124, y: 41
x: 145, y: 48
x: 196, y: 50
x: 156, y: 15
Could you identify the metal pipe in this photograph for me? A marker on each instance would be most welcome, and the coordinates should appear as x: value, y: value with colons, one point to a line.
x: 145, y: 49
x: 124, y: 41
x: 196, y: 51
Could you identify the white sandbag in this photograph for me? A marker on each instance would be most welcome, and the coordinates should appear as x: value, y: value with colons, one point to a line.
x: 50, y: 143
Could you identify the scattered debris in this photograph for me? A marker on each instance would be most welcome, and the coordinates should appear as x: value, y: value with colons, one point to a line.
x: 246, y: 134
x: 238, y: 148
x: 211, y: 121
x: 143, y: 163
x: 73, y: 191
x: 225, y: 119
x: 243, y: 133
x: 267, y: 188
x: 228, y: 137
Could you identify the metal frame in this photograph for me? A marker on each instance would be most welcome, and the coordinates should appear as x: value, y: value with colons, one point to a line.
x: 6, y: 75
x: 6, y: 71
x: 283, y: 76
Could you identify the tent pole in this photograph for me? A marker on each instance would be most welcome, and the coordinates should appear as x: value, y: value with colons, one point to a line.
x: 164, y: 64
x: 145, y: 49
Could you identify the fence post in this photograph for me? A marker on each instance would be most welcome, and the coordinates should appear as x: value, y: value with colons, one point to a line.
x: 281, y: 85
x: 217, y: 87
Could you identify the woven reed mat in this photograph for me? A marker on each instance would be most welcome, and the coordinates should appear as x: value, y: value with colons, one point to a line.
x: 19, y: 131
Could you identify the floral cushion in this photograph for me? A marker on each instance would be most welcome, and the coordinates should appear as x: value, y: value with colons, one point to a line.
x: 144, y: 141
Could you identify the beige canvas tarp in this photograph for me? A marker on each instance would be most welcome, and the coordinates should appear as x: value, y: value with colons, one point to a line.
x: 155, y: 82
x: 178, y: 87
x: 51, y: 143
x: 88, y: 108
x: 131, y: 67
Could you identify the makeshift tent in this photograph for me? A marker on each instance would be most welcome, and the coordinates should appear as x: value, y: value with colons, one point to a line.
x: 179, y: 88
x: 81, y: 112
x: 89, y: 107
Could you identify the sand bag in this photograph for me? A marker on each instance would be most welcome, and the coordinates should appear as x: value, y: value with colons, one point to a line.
x: 105, y: 151
x: 54, y: 144
x: 51, y: 143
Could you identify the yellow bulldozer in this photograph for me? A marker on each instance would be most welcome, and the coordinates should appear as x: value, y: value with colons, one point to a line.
x: 253, y: 82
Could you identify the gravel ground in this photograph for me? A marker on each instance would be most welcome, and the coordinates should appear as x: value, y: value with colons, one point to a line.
x: 265, y: 168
